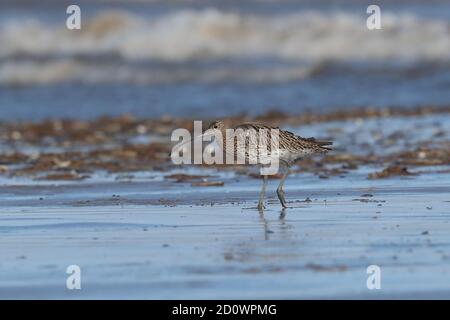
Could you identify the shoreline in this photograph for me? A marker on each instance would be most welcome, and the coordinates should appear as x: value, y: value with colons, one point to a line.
x: 59, y: 150
x: 103, y: 196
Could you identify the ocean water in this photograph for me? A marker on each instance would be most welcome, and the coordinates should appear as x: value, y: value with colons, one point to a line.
x: 214, y: 58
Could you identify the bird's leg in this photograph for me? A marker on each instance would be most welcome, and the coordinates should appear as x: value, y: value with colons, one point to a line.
x: 261, y: 195
x: 280, y: 191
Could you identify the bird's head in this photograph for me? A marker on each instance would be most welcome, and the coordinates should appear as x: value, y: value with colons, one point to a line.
x: 216, y: 125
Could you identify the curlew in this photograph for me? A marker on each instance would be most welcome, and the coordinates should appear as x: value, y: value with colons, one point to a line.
x: 290, y: 148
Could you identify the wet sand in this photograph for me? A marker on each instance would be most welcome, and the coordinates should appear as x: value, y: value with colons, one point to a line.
x: 134, y: 248
x: 151, y: 234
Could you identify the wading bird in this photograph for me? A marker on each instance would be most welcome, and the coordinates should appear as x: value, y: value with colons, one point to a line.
x: 289, y: 148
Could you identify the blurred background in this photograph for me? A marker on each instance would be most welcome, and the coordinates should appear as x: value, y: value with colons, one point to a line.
x: 214, y: 58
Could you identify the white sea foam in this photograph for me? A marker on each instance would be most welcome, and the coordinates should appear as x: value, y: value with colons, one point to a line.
x: 26, y: 73
x: 180, y: 37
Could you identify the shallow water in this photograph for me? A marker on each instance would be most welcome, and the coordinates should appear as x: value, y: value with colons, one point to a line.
x: 211, y: 243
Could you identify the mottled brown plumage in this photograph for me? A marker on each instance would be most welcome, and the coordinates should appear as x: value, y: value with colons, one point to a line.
x: 290, y: 148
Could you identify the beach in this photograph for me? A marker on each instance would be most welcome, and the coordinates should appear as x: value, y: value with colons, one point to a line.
x: 93, y: 207
x: 156, y: 234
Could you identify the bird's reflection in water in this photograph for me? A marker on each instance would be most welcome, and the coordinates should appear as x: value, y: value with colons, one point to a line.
x: 254, y: 248
x: 265, y: 223
x: 282, y: 215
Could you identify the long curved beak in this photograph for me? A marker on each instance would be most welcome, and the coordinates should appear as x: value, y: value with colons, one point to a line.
x: 206, y: 136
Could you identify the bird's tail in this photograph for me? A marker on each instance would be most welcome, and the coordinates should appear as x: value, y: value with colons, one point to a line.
x: 325, y: 144
x: 322, y: 145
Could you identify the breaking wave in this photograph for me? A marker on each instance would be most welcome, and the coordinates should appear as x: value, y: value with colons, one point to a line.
x: 118, y: 46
